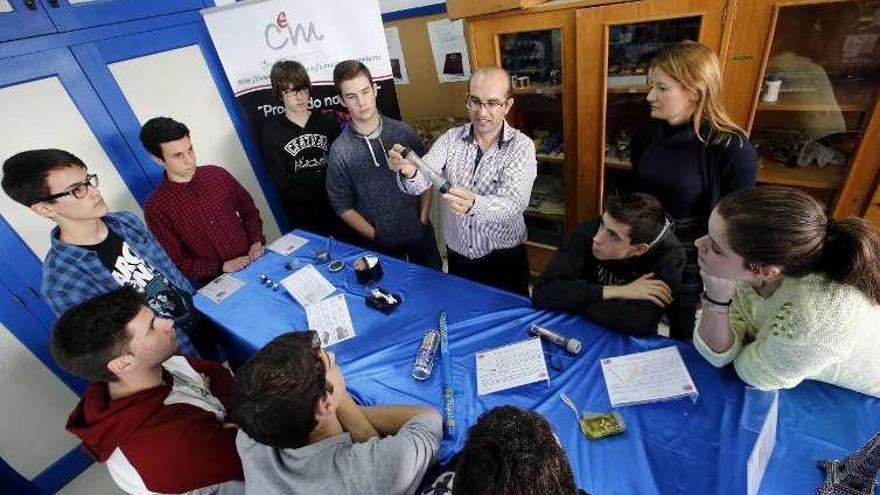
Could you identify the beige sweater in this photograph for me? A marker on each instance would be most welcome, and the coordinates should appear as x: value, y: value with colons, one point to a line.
x: 810, y: 328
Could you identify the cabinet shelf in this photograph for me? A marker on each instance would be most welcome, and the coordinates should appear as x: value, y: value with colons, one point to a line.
x: 539, y: 89
x: 560, y: 158
x: 772, y: 171
x: 782, y: 106
x: 548, y: 210
x: 617, y: 163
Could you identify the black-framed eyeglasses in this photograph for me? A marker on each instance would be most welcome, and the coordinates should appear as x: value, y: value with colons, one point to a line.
x: 78, y: 190
x: 493, y: 105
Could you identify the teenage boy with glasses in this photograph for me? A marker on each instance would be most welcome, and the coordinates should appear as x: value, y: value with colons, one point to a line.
x: 295, y: 147
x: 94, y: 251
x: 491, y: 167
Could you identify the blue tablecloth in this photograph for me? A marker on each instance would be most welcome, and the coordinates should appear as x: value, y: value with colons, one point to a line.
x: 681, y: 446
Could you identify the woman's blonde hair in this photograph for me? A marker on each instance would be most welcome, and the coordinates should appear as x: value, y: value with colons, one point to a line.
x: 696, y: 68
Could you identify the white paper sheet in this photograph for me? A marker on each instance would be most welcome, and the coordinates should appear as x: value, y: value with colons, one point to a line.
x: 287, y: 244
x: 647, y: 377
x: 308, y: 286
x: 511, y: 366
x: 395, y: 52
x: 331, y: 319
x: 763, y: 449
x: 450, y: 50
x: 221, y: 287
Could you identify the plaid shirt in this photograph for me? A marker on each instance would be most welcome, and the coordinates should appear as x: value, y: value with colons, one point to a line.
x: 73, y: 274
x: 501, y: 183
x: 204, y: 222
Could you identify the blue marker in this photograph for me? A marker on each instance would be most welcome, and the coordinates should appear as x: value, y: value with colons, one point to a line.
x: 448, y: 391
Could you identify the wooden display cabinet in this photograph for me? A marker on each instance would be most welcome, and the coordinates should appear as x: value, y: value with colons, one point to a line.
x: 822, y: 131
x: 605, y: 49
x: 615, y: 45
x: 538, y: 51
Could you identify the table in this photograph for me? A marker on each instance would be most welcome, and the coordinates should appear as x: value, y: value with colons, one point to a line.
x: 681, y: 446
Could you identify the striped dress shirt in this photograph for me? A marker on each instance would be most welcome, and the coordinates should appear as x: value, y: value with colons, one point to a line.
x: 501, y: 182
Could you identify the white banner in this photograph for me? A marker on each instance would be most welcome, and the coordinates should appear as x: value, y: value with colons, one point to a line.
x: 250, y: 36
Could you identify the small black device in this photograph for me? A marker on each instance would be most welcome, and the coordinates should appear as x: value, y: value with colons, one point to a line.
x: 383, y: 300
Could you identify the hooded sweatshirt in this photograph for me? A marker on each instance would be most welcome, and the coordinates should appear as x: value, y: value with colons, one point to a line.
x: 358, y: 178
x: 167, y: 439
x: 574, y: 278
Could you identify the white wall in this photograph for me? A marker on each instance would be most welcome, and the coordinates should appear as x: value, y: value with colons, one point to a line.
x: 177, y: 84
x: 34, y: 410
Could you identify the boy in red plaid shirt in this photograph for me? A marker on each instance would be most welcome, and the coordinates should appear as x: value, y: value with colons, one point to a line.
x: 202, y: 216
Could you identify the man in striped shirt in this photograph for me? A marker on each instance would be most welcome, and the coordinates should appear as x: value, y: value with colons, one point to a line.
x: 491, y: 167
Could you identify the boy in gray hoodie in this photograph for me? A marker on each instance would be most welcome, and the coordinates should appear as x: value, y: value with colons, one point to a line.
x: 361, y: 187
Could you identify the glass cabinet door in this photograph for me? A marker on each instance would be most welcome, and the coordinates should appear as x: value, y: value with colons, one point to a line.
x: 538, y: 51
x: 630, y: 50
x: 615, y: 45
x: 534, y: 61
x: 818, y: 89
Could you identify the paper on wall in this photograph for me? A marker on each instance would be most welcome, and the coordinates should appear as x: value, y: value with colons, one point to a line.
x: 450, y: 50
x: 395, y: 55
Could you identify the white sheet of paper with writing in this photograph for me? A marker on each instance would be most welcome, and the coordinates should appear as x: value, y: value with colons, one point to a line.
x: 510, y: 366
x: 647, y: 377
x: 307, y: 285
x: 221, y: 287
x: 763, y: 449
x: 331, y: 319
x: 287, y: 244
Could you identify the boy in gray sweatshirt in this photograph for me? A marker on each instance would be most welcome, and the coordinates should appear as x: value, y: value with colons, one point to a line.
x: 361, y: 187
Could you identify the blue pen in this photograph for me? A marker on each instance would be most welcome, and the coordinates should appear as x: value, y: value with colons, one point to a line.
x: 448, y: 391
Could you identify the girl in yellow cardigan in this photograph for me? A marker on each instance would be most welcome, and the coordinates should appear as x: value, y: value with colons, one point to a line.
x: 790, y: 294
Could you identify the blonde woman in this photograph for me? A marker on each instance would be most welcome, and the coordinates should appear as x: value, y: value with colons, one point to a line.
x: 689, y: 155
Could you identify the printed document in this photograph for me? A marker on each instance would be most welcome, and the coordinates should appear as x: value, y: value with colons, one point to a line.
x: 287, y: 244
x: 308, y: 286
x: 647, y: 377
x: 221, y: 287
x: 763, y: 449
x: 511, y: 366
x: 331, y: 319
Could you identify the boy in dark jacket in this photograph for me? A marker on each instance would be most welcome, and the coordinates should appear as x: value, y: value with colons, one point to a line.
x: 621, y: 270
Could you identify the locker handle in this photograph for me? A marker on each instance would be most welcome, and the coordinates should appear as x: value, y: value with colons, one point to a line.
x: 30, y: 4
x: 33, y: 293
x: 53, y: 3
x: 19, y: 300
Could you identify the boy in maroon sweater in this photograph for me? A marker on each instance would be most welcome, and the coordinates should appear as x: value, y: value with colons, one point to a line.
x: 157, y: 420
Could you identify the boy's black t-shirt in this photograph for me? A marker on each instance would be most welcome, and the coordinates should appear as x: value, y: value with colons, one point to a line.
x: 296, y: 159
x: 129, y: 268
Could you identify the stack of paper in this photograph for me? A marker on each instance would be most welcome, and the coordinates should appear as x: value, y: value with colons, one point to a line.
x: 647, y: 377
x: 330, y: 316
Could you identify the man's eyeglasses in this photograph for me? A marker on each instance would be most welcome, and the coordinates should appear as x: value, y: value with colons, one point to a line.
x: 493, y: 105
x: 78, y: 190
